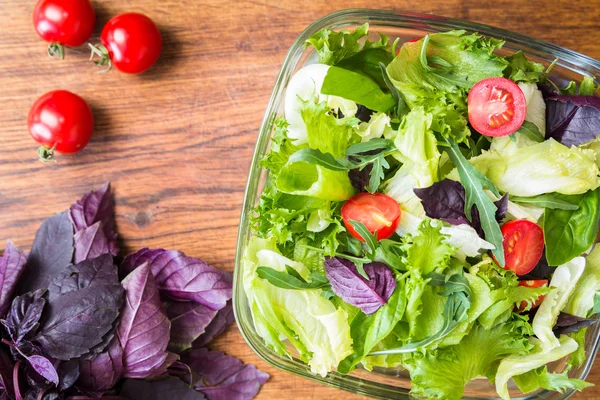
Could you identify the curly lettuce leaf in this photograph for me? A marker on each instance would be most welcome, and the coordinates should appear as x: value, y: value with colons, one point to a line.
x: 312, y: 324
x: 445, y: 372
x: 520, y: 69
x: 541, y: 378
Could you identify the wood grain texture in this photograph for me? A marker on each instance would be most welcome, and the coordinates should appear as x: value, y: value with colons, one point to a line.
x: 176, y: 142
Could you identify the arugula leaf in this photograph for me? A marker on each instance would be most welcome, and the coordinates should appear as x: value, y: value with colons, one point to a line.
x: 370, y: 155
x: 549, y: 200
x: 369, y: 238
x: 316, y: 157
x: 400, y: 103
x: 291, y: 279
x: 334, y: 47
x: 358, y: 88
x: 568, y: 233
x: 474, y: 183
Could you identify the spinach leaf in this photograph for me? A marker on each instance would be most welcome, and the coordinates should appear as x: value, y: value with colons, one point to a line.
x: 531, y: 132
x: 549, y: 200
x: 474, y: 182
x: 367, y: 63
x: 291, y: 279
x: 568, y: 233
x: 358, y: 88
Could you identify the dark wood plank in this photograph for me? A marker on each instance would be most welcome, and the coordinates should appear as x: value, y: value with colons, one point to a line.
x: 176, y: 142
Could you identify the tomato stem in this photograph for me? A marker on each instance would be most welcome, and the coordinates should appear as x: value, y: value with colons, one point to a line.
x: 104, y: 61
x: 45, y: 154
x: 56, y: 49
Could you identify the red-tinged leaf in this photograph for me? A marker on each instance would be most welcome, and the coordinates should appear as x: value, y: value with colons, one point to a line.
x: 91, y: 242
x: 96, y: 206
x: 68, y: 373
x: 100, y: 270
x: 12, y: 266
x: 222, y: 377
x: 144, y: 328
x: 218, y: 325
x: 102, y: 372
x: 6, y: 372
x: 44, y: 367
x: 188, y: 321
x: 183, y: 278
x: 169, y: 388
x: 51, y: 253
x: 23, y: 319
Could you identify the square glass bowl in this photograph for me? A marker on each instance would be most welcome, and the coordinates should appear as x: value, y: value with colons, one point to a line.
x: 390, y: 383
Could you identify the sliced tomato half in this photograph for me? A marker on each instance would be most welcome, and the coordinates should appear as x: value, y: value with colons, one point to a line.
x: 497, y: 107
x: 377, y: 212
x: 523, y: 245
x: 536, y: 283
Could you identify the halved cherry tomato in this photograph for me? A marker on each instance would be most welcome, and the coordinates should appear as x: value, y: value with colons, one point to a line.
x: 497, y: 107
x: 378, y: 212
x: 532, y: 284
x: 523, y: 245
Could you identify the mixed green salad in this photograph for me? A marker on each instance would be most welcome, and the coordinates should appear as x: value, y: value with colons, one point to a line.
x: 431, y: 206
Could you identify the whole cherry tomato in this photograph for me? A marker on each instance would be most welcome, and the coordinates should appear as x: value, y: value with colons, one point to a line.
x: 64, y: 23
x: 131, y: 43
x: 60, y: 121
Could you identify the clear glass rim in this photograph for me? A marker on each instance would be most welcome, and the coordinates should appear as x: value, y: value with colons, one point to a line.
x: 340, y: 19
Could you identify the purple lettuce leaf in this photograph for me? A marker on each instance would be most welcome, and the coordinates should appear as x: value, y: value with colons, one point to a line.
x: 82, y: 307
x: 368, y: 295
x: 51, y: 253
x: 572, y: 119
x: 567, y: 323
x: 222, y: 377
x: 188, y: 321
x: 96, y: 206
x: 102, y: 372
x: 183, y: 278
x: 12, y: 266
x: 91, y: 242
x: 169, y: 388
x: 44, y: 367
x: 445, y: 200
x: 144, y: 328
x: 100, y: 270
x: 6, y: 372
x: 218, y: 325
x: 22, y: 321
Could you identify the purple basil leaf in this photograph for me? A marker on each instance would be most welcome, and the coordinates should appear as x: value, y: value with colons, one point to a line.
x: 78, y: 320
x: 102, y: 372
x: 12, y: 266
x: 68, y: 373
x: 183, y: 278
x: 218, y: 325
x: 144, y: 328
x: 96, y: 271
x: 96, y: 206
x: 360, y: 178
x: 567, y: 323
x: 572, y: 120
x: 170, y: 388
x: 6, y: 372
x: 188, y: 321
x: 541, y: 271
x: 502, y: 207
x: 368, y: 295
x: 52, y: 251
x: 23, y: 318
x: 90, y: 243
x: 44, y: 367
x: 222, y: 377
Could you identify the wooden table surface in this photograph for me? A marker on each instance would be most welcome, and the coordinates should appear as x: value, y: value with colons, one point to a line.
x: 176, y: 142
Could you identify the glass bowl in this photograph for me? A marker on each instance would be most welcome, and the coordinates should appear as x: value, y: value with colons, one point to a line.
x: 390, y: 383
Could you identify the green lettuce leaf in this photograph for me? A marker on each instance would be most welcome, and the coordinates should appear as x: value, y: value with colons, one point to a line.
x: 313, y: 325
x: 520, y: 69
x: 514, y: 365
x: 581, y: 301
x: 541, y: 378
x: 306, y: 179
x: 334, y: 47
x: 444, y: 373
x: 563, y: 281
x: 542, y: 168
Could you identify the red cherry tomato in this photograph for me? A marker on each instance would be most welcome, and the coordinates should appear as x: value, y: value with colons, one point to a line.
x: 132, y: 42
x: 523, y: 245
x: 61, y: 121
x: 497, y: 107
x: 64, y: 22
x: 532, y: 284
x: 378, y: 212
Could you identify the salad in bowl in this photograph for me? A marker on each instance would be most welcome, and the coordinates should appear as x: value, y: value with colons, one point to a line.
x: 431, y: 206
